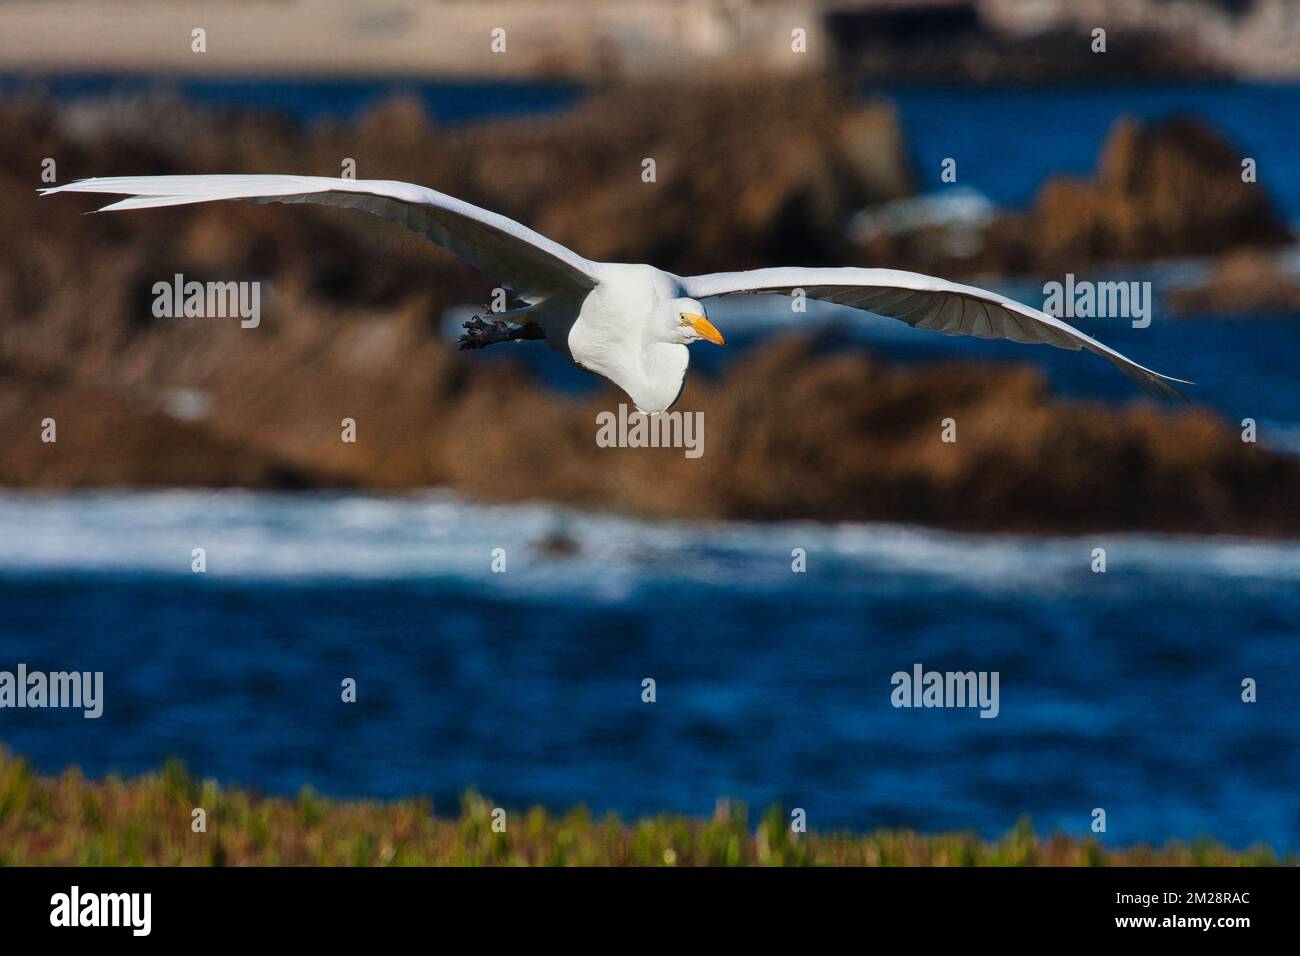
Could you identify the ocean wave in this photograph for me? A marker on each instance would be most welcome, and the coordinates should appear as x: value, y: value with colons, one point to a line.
x: 545, y: 548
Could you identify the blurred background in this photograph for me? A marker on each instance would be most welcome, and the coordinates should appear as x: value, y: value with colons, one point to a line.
x: 371, y: 560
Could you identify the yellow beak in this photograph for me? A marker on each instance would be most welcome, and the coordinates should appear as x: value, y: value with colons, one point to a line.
x: 704, y: 327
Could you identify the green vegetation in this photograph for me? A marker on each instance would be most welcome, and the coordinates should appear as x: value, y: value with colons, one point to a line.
x: 69, y: 820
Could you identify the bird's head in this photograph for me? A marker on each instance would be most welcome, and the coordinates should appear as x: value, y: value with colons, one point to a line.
x: 687, y: 323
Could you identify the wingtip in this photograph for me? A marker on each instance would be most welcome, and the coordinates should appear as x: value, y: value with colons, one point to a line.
x: 76, y: 186
x: 51, y: 190
x: 62, y: 187
x: 1170, y: 392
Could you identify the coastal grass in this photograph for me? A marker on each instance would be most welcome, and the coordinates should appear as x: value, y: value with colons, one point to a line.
x: 71, y: 821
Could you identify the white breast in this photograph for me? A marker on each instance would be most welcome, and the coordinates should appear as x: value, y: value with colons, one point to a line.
x: 613, y: 336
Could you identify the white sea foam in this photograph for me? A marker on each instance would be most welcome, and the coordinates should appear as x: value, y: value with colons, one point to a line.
x: 550, y: 549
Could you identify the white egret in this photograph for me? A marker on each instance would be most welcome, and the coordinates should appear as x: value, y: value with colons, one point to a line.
x: 629, y: 323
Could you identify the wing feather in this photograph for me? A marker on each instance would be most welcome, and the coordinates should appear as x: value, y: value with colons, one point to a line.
x: 926, y: 302
x: 505, y: 250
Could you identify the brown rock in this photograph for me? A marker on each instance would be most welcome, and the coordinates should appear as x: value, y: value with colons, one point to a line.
x: 104, y: 438
x: 1172, y: 189
x: 1242, y: 282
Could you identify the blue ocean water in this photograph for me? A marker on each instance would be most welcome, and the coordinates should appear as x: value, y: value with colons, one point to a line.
x: 1118, y: 690
x: 308, y: 98
x: 1007, y: 142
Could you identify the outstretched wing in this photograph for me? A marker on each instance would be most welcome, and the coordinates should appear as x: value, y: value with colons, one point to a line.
x: 515, y: 255
x: 925, y: 302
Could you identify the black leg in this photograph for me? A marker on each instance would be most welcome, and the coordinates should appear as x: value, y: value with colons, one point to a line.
x: 479, y: 333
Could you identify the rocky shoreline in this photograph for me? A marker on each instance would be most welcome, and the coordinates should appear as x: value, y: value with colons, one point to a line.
x: 745, y: 176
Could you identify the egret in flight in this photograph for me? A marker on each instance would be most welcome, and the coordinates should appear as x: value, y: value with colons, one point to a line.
x: 629, y: 323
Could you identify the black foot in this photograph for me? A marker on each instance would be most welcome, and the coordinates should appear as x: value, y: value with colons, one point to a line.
x: 479, y: 334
